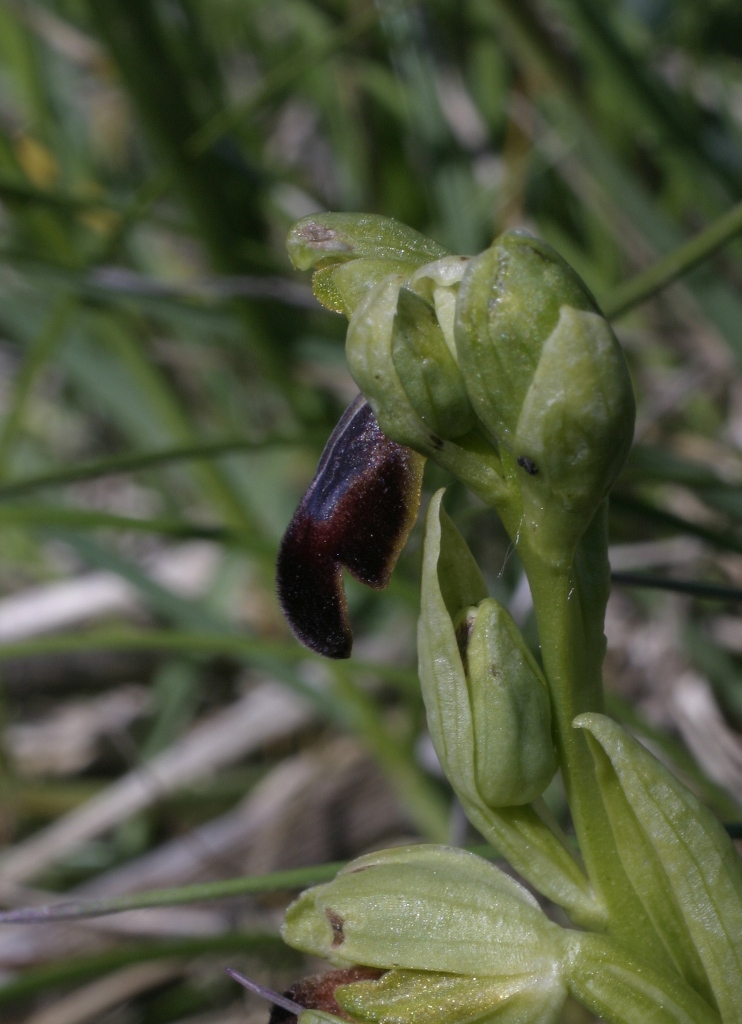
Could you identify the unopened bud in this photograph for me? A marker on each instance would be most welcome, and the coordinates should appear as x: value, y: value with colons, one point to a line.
x: 574, y: 431
x: 508, y: 305
x: 487, y: 703
x: 511, y: 714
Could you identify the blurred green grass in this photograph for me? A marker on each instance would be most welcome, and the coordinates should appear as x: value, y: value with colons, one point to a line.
x: 165, y: 378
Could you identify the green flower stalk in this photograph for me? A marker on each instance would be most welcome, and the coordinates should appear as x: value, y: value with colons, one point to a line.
x: 503, y: 370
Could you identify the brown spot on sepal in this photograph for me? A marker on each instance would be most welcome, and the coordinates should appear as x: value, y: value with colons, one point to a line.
x: 357, y: 513
x: 319, y: 236
x: 337, y: 924
x: 528, y: 464
x: 318, y: 992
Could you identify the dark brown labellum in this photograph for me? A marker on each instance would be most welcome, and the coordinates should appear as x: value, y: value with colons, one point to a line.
x: 357, y: 513
x: 318, y: 992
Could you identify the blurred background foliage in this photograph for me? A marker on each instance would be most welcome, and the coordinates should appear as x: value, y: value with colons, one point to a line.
x: 167, y: 384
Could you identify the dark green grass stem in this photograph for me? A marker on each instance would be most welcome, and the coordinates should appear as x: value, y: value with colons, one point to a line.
x: 143, y: 460
x: 277, y: 881
x: 706, y: 591
x: 280, y: 80
x: 84, y: 968
x: 36, y: 359
x: 195, y: 643
x: 724, y: 539
x: 674, y: 265
x: 84, y: 519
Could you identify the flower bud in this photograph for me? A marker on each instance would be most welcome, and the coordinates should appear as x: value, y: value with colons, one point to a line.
x: 426, y: 908
x: 548, y: 379
x: 488, y: 711
x: 508, y: 305
x: 574, y: 431
x: 511, y: 714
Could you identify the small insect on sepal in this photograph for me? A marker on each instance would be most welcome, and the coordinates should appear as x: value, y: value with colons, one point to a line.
x: 357, y: 513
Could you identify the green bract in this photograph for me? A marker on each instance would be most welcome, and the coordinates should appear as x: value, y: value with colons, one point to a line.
x: 319, y: 1017
x: 525, y: 834
x: 484, y: 694
x: 502, y: 369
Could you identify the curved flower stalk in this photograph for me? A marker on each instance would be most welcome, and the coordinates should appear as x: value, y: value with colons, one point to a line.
x: 502, y: 369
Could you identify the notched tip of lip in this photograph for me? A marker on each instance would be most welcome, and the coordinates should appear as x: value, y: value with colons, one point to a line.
x: 310, y: 591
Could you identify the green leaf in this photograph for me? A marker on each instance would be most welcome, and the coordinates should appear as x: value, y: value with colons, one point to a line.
x: 607, y: 980
x: 679, y: 859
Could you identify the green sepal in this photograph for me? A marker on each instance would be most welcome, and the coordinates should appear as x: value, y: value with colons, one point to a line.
x: 508, y: 305
x: 511, y: 711
x: 425, y: 908
x: 605, y: 978
x: 679, y: 860
x: 427, y: 370
x: 574, y: 432
x: 526, y: 837
x: 417, y: 997
x: 379, y: 246
x: 368, y: 348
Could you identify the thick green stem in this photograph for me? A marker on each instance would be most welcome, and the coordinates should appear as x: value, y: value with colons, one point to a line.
x: 570, y: 608
x: 570, y: 622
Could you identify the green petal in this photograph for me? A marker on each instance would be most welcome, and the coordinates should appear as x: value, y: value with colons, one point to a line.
x: 414, y: 997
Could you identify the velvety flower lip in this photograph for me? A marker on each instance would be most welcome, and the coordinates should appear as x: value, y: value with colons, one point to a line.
x: 357, y: 513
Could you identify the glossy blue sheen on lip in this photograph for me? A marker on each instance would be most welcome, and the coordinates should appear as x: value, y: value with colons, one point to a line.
x: 357, y: 513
